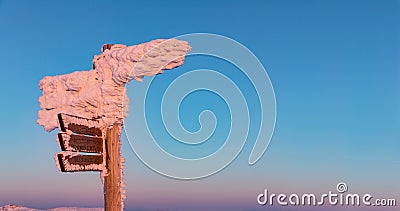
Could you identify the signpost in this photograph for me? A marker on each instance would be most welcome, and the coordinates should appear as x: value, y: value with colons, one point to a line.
x: 94, y: 144
x: 74, y: 163
x: 80, y: 143
x: 102, y: 153
x: 113, y: 180
x: 79, y: 125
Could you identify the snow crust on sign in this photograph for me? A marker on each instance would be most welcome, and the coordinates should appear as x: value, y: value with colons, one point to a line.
x: 99, y: 93
x: 65, y: 140
x: 68, y: 119
x: 76, y: 167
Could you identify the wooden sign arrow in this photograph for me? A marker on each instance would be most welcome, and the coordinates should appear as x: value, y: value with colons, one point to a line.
x: 79, y: 125
x: 73, y: 163
x: 80, y: 143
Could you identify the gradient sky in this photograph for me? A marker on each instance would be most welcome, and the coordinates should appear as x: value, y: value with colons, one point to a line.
x: 334, y: 66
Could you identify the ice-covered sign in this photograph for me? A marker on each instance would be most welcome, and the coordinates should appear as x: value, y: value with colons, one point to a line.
x: 72, y: 162
x: 75, y: 124
x: 80, y: 135
x: 100, y: 93
x: 89, y: 107
x: 80, y: 143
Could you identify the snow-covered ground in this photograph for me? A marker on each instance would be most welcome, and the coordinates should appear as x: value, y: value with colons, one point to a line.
x: 13, y: 207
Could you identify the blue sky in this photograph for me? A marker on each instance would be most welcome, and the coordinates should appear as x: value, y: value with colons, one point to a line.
x: 334, y: 66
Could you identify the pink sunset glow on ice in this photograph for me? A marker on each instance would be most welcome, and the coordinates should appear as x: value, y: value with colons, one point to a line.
x: 96, y: 99
x: 100, y: 93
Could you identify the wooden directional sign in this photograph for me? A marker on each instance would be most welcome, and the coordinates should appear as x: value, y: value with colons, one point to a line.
x: 80, y: 143
x: 79, y: 125
x: 79, y: 135
x: 73, y: 163
x: 102, y: 153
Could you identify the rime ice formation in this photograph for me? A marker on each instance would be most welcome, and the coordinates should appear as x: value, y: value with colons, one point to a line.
x: 99, y: 93
x: 69, y: 119
x: 71, y: 167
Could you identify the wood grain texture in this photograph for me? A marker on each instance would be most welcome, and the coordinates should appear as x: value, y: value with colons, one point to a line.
x: 112, y: 186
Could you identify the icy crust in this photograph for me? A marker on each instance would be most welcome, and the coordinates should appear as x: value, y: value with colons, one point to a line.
x: 70, y: 167
x: 63, y: 141
x: 80, y: 143
x: 99, y: 93
x: 104, y: 172
x: 69, y: 119
x: 73, y: 124
x: 122, y: 183
x: 121, y: 179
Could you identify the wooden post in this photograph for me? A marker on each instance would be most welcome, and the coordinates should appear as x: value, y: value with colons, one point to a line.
x: 112, y: 186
